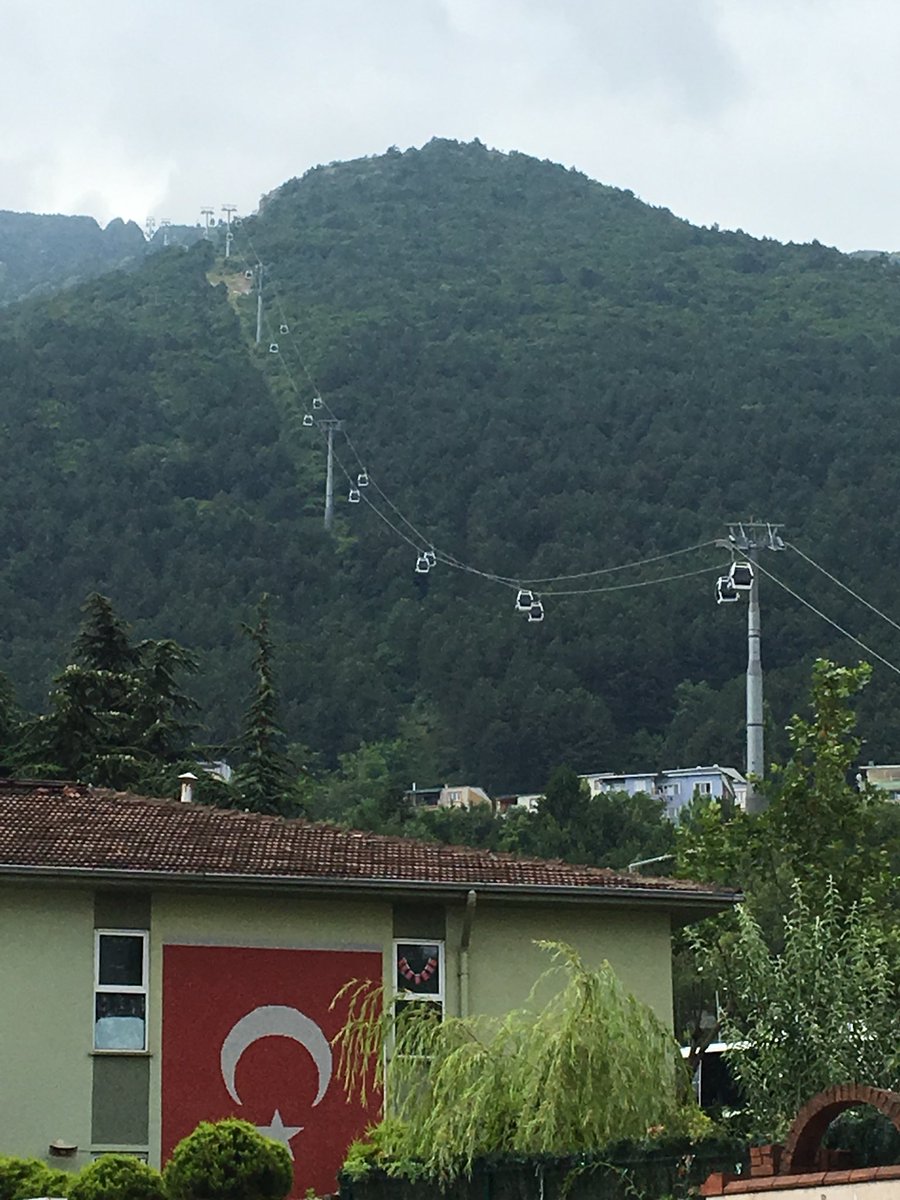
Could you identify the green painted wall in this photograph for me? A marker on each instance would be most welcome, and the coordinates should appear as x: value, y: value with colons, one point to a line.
x: 46, y: 994
x: 504, y: 962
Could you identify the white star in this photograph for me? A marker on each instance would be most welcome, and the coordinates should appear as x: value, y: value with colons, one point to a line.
x: 279, y: 1132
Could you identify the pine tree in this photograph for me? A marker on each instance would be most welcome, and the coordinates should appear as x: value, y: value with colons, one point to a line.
x: 10, y: 721
x: 117, y: 713
x: 262, y: 777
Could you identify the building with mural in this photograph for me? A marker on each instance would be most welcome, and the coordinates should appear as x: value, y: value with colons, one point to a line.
x: 165, y: 962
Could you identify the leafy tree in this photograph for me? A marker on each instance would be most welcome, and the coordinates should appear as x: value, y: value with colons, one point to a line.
x: 817, y: 827
x: 476, y: 826
x: 607, y: 829
x: 262, y: 777
x: 820, y: 1011
x: 821, y: 847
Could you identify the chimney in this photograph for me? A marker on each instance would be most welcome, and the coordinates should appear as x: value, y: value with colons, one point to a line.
x: 188, y: 779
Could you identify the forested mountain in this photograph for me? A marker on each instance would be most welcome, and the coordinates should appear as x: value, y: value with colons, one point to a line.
x: 41, y: 253
x: 546, y: 377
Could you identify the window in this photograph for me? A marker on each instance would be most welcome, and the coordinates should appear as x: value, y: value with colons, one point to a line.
x: 120, y: 990
x: 419, y: 974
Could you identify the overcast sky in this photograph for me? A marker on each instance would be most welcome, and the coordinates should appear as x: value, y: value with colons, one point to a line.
x: 774, y: 116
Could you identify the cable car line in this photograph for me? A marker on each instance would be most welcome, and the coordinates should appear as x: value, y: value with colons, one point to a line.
x: 428, y: 555
x: 849, y: 590
x: 819, y: 613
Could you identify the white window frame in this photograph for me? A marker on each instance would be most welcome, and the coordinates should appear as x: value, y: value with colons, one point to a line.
x: 437, y: 997
x: 119, y: 989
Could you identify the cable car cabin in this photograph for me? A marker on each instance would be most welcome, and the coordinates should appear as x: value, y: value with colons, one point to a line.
x: 283, y: 328
x: 317, y: 402
x: 725, y: 593
x: 353, y: 497
x: 524, y: 600
x: 273, y: 347
x: 431, y: 558
x: 362, y: 479
x: 741, y: 576
x: 307, y: 420
x: 422, y: 567
x: 536, y: 612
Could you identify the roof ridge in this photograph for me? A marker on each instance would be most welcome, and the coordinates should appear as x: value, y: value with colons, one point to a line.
x: 77, y: 826
x: 505, y: 856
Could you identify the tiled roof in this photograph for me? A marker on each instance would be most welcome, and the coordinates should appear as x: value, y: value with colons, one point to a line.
x: 55, y: 827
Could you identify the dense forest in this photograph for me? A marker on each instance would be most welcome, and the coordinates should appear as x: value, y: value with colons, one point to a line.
x: 542, y: 376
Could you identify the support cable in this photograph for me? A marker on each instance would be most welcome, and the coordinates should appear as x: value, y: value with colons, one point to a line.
x: 848, y: 590
x: 819, y: 613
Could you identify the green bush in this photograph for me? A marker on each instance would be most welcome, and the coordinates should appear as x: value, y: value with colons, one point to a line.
x: 117, y: 1177
x: 21, y: 1178
x: 228, y: 1160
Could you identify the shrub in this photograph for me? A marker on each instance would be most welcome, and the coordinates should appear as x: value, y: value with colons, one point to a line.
x: 117, y: 1177
x: 21, y: 1178
x: 228, y: 1160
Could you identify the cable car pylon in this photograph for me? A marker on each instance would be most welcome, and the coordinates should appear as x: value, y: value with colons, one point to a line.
x: 747, y: 538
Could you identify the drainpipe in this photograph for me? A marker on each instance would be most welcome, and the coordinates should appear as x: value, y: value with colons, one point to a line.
x: 468, y: 916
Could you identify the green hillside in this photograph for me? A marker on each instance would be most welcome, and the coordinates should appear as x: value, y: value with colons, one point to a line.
x: 546, y: 377
x: 39, y: 254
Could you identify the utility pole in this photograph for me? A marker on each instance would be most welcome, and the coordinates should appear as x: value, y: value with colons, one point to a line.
x: 259, y: 285
x: 329, y: 424
x: 207, y: 214
x: 228, y: 210
x: 749, y: 538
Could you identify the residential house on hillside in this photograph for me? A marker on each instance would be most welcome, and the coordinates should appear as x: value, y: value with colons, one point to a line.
x: 677, y: 787
x: 884, y: 777
x: 165, y: 962
x: 460, y: 795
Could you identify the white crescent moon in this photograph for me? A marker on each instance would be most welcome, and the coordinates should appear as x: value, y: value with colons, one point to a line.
x: 275, y: 1020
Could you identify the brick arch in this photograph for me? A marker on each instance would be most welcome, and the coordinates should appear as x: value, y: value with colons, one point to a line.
x: 802, y: 1144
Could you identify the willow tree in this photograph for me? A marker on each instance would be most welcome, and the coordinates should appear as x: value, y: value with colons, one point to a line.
x: 591, y: 1066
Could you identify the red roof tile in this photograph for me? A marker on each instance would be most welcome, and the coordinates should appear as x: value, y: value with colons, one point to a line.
x: 55, y: 827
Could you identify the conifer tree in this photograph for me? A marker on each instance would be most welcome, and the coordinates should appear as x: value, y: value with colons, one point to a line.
x: 262, y: 777
x: 9, y: 720
x: 117, y: 712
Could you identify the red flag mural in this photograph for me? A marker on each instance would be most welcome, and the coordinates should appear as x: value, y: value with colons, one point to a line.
x: 246, y: 1033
